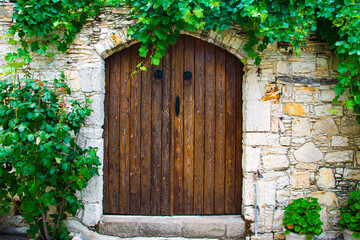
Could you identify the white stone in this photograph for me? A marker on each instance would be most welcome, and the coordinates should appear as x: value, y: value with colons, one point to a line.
x: 339, y: 157
x: 276, y: 162
x: 339, y: 141
x: 282, y: 197
x: 308, y: 153
x: 266, y: 192
x: 258, y: 139
x: 303, y: 67
x: 328, y: 199
x: 278, y: 218
x: 98, y: 115
x: 298, y: 140
x: 285, y: 141
x: 283, y: 68
x: 305, y: 94
x: 325, y: 126
x: 349, y: 126
x: 327, y: 95
x: 300, y: 180
x: 248, y: 190
x: 93, y: 193
x: 92, y: 214
x: 352, y: 174
x: 257, y: 116
x: 92, y: 79
x: 251, y: 159
x: 328, y: 110
x: 301, y: 127
x: 325, y: 178
x: 253, y: 88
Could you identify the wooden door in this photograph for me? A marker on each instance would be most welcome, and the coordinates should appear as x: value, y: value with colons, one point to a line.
x: 174, y: 146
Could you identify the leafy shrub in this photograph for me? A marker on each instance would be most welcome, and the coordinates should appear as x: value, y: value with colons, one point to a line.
x: 40, y: 160
x: 350, y: 214
x: 302, y: 217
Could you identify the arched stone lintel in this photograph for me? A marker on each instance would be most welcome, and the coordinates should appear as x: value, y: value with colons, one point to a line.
x: 230, y: 40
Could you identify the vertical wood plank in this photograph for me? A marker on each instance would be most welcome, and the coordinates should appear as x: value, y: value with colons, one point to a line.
x: 156, y: 176
x: 199, y: 81
x: 220, y: 133
x: 106, y: 137
x: 230, y: 127
x: 124, y: 130
x: 165, y: 136
x: 135, y: 96
x: 145, y: 142
x: 209, y: 128
x: 238, y: 145
x: 114, y: 130
x: 189, y: 127
x: 177, y: 69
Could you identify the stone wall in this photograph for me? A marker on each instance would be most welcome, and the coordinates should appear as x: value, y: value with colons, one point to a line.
x: 291, y: 136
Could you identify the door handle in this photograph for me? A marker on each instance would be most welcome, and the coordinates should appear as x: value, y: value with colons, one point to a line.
x: 177, y: 105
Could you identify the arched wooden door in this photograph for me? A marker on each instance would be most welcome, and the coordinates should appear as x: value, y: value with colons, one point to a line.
x: 173, y: 146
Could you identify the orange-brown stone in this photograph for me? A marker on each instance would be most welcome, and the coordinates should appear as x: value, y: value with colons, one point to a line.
x: 272, y: 92
x: 293, y: 109
x: 116, y: 39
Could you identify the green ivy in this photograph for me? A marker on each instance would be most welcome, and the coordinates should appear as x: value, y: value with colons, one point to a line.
x: 41, y: 162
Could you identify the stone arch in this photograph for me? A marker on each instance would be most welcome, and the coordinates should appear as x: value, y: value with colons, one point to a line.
x: 231, y: 40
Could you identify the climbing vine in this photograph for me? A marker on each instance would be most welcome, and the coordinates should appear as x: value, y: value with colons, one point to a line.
x: 159, y: 22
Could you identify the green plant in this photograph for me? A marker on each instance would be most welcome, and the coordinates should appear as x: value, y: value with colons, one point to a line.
x: 302, y: 217
x: 41, y: 162
x: 350, y: 214
x: 40, y: 23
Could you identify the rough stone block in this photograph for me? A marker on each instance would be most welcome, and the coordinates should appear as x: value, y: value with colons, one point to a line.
x: 325, y: 178
x: 207, y: 228
x: 328, y: 199
x: 258, y: 139
x: 294, y: 109
x: 349, y: 126
x: 327, y: 110
x: 352, y: 174
x: 266, y: 192
x: 325, y: 126
x: 276, y: 162
x: 308, y: 153
x: 160, y: 226
x: 285, y: 141
x: 253, y: 88
x: 300, y: 180
x: 98, y: 115
x: 248, y: 189
x: 125, y: 227
x: 339, y: 141
x: 257, y: 116
x: 278, y: 218
x: 283, y: 68
x: 235, y: 227
x: 272, y: 92
x: 92, y: 214
x: 301, y: 127
x: 92, y: 79
x: 251, y: 158
x: 306, y: 94
x: 93, y: 193
x: 339, y: 157
x: 322, y: 67
x: 303, y: 67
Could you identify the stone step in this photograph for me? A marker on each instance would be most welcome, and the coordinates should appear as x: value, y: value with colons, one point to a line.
x: 174, y: 227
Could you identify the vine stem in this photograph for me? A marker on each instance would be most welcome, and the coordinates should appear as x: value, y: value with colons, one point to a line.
x: 46, y: 233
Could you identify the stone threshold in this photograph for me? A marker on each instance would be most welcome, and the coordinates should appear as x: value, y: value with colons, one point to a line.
x: 173, y: 227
